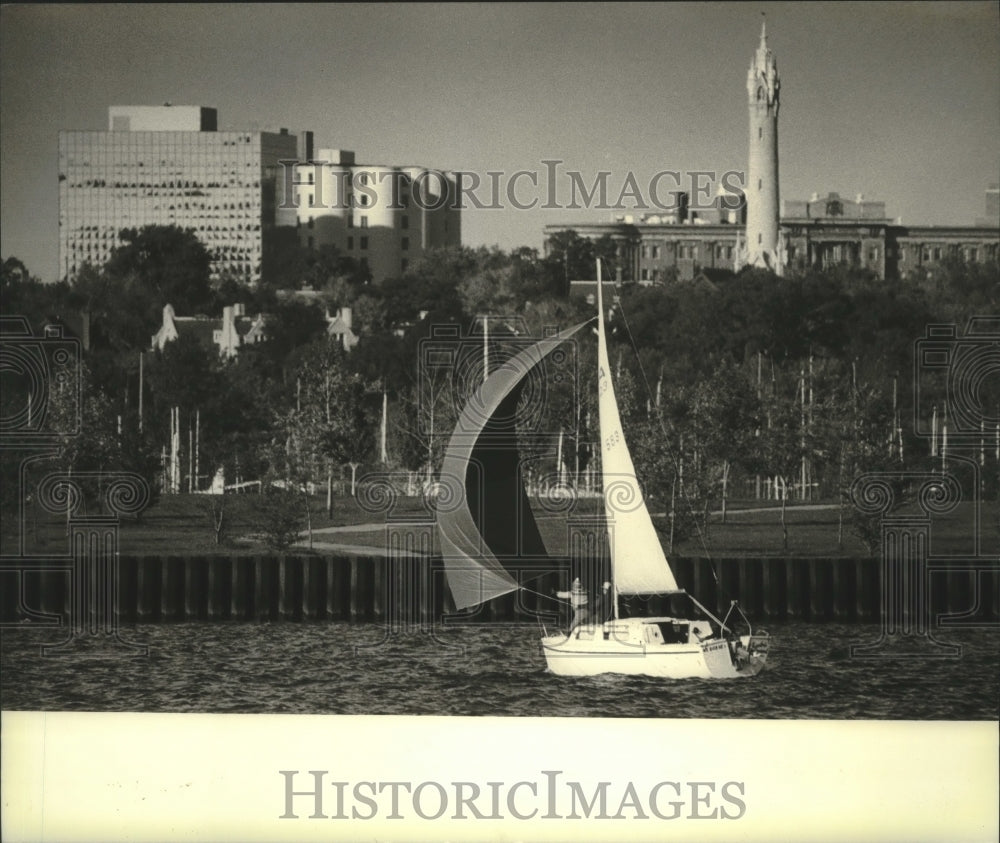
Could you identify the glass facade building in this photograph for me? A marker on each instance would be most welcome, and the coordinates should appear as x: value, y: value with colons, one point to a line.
x: 220, y: 185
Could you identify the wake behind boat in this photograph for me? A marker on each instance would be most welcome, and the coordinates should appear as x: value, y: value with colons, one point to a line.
x: 487, y: 531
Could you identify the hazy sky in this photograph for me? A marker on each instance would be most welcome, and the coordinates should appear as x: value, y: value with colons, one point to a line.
x: 898, y: 101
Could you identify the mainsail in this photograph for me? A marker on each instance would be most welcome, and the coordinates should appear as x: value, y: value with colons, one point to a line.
x: 483, y: 513
x: 638, y: 563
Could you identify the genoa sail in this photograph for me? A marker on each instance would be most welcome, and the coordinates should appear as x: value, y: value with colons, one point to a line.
x: 483, y: 514
x: 638, y: 563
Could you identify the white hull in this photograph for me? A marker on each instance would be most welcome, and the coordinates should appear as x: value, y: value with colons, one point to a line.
x: 637, y: 647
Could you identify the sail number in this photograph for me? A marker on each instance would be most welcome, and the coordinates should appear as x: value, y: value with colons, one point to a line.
x: 611, y: 440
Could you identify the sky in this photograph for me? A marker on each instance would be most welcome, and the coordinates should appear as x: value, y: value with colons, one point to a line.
x: 896, y: 101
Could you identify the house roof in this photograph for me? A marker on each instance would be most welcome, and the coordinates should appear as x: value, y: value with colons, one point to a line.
x: 198, y: 328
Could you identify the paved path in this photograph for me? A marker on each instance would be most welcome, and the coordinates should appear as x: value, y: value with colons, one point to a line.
x: 356, y: 528
x: 368, y: 550
x: 353, y: 549
x: 797, y: 507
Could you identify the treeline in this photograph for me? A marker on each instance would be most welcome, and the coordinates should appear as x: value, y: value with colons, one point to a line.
x: 739, y: 386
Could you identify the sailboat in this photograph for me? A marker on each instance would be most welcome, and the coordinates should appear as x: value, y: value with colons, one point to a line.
x: 489, y: 538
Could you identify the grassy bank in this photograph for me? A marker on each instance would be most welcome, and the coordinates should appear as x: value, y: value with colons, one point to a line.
x: 182, y: 525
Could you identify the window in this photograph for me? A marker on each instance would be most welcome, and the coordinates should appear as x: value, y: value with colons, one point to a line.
x: 760, y: 239
x: 656, y: 251
x: 404, y: 222
x: 973, y: 255
x: 350, y: 242
x: 937, y: 253
x: 645, y: 274
x: 364, y: 222
x: 405, y: 245
x: 350, y: 220
x: 364, y: 200
x: 760, y: 132
x: 873, y: 255
x: 403, y: 264
x: 364, y: 242
x: 760, y: 184
x: 645, y: 251
x: 310, y: 222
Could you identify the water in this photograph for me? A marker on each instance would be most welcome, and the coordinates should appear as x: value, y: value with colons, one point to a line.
x: 313, y: 668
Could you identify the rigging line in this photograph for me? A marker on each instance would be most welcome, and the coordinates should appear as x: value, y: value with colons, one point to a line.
x: 670, y: 449
x: 547, y: 596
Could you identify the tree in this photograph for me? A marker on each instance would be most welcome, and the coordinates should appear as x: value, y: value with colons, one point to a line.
x: 726, y: 416
x: 166, y: 265
x: 281, y: 513
x: 324, y: 424
x: 570, y: 257
x: 102, y: 442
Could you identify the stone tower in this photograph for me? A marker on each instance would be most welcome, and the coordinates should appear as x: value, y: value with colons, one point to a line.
x: 761, y: 246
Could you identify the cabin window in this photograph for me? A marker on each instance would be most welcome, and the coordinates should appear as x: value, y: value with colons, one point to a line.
x: 673, y: 633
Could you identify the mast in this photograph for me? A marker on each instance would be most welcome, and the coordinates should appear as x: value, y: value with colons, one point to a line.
x: 601, y: 358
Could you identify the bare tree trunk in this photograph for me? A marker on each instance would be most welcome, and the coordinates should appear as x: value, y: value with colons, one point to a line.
x: 673, y: 489
x: 725, y: 485
x: 219, y: 517
x: 840, y: 502
x: 784, y: 526
x: 309, y: 520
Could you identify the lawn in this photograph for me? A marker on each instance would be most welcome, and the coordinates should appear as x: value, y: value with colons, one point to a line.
x: 181, y: 525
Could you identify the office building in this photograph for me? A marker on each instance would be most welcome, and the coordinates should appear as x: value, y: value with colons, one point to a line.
x: 169, y: 165
x: 383, y: 216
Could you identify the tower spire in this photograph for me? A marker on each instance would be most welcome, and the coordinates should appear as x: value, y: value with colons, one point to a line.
x: 762, y: 246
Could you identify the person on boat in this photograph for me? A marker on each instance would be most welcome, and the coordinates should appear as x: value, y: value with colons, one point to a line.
x: 578, y: 600
x: 603, y: 609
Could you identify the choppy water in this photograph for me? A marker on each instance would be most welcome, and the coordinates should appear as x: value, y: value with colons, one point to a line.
x: 316, y: 669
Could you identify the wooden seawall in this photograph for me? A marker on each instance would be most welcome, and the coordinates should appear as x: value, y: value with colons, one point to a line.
x: 411, y: 591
